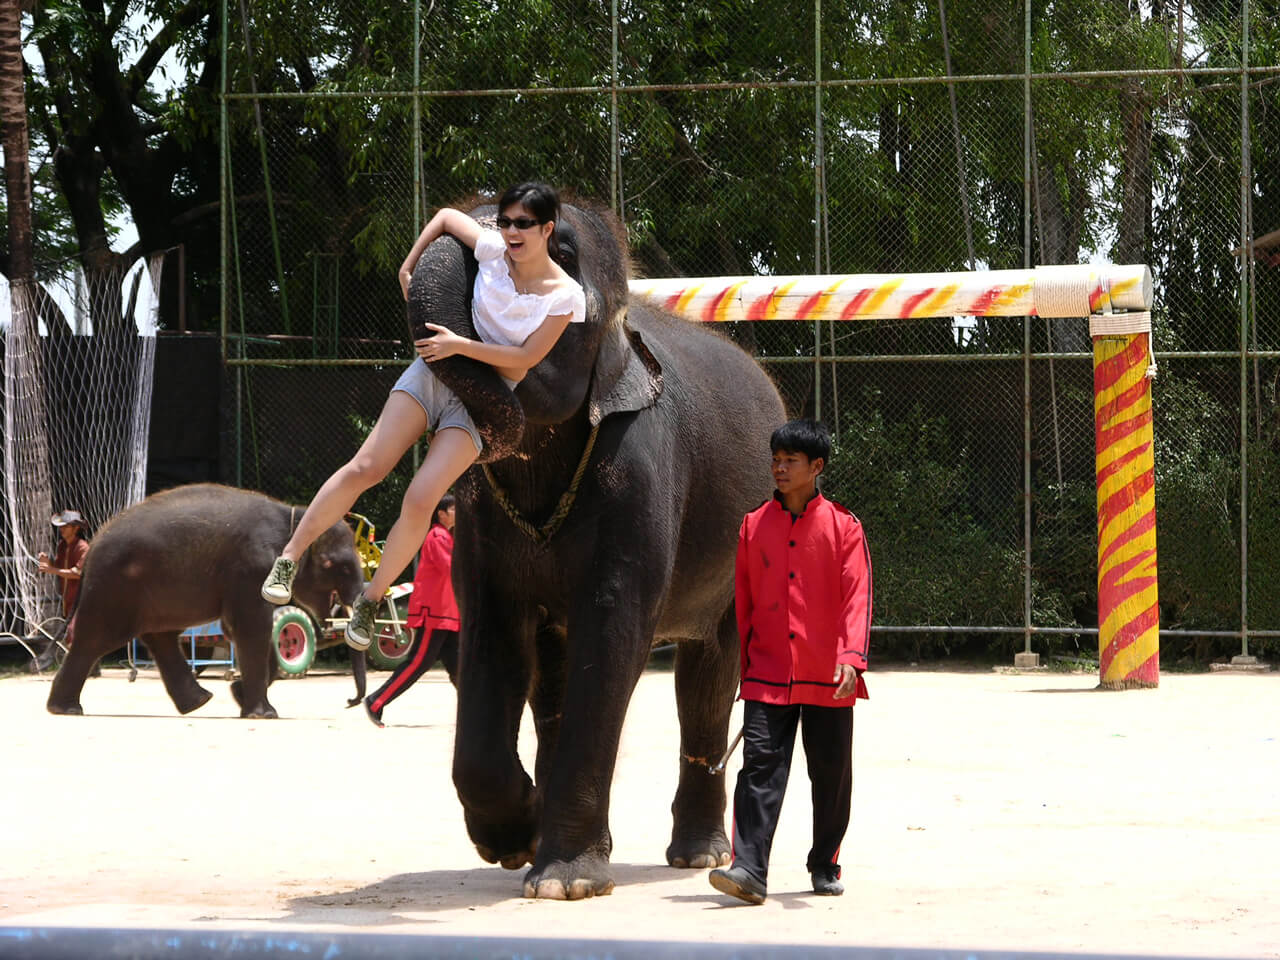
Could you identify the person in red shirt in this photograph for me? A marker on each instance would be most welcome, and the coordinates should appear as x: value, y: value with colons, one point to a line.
x: 68, y: 559
x: 802, y: 587
x: 433, y: 614
x: 66, y: 565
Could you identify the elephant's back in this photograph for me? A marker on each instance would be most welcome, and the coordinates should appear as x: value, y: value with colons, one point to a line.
x: 208, y: 521
x: 725, y: 407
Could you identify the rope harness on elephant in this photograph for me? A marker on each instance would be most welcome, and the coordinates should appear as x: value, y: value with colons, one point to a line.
x: 541, y: 535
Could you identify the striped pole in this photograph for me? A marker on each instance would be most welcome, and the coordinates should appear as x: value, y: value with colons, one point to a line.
x: 1128, y: 613
x: 1065, y: 291
x: 1128, y: 594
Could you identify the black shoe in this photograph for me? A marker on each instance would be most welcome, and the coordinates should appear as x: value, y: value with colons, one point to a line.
x: 736, y: 882
x: 826, y: 883
x: 375, y: 716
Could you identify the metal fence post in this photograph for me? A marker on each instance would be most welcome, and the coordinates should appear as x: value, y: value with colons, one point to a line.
x: 818, y: 174
x: 419, y: 201
x: 1246, y: 262
x: 615, y: 149
x: 1026, y: 340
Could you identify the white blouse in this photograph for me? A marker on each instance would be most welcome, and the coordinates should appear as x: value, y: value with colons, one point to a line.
x: 503, y: 315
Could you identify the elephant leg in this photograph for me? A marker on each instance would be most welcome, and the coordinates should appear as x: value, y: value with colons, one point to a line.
x: 250, y: 630
x: 179, y: 680
x: 706, y: 677
x: 546, y: 700
x: 360, y: 673
x: 86, y: 650
x: 608, y: 648
x: 499, y: 803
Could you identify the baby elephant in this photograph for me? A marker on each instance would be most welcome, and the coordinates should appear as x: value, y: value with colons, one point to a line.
x: 188, y: 556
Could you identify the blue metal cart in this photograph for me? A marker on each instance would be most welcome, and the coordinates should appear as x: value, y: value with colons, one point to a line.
x: 205, y: 633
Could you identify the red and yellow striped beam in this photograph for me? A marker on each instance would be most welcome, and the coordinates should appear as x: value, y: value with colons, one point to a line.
x: 1128, y: 596
x: 1060, y: 291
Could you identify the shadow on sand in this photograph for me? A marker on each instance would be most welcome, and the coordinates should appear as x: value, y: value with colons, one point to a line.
x: 387, y: 901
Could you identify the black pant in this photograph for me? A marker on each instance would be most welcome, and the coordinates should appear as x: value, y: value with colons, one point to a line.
x: 769, y: 737
x: 422, y: 656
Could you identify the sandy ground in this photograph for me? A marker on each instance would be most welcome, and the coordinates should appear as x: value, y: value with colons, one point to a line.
x: 1013, y: 812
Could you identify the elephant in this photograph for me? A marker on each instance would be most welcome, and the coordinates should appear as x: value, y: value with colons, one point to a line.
x: 600, y: 521
x: 190, y: 555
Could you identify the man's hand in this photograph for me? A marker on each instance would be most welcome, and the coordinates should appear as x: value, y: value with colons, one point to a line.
x: 43, y: 564
x: 847, y: 677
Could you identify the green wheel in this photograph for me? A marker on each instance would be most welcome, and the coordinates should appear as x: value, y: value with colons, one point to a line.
x: 293, y: 638
x: 390, y: 646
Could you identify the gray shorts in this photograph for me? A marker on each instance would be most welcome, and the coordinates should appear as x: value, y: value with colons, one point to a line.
x: 441, y: 404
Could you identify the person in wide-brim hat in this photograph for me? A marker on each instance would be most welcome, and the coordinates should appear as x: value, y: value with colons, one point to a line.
x: 67, y: 517
x: 68, y: 560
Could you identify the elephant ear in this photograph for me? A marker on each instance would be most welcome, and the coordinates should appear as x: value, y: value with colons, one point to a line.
x: 628, y: 377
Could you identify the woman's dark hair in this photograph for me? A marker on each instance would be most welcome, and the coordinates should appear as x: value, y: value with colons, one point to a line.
x: 810, y: 437
x: 543, y: 202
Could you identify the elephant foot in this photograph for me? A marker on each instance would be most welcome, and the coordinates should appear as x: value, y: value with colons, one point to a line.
x: 511, y: 842
x: 65, y: 709
x: 259, y: 711
x: 699, y: 851
x: 510, y: 861
x: 584, y: 876
x: 200, y: 697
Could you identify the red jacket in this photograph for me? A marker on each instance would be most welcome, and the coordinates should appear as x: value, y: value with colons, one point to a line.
x: 432, y: 604
x: 803, y: 594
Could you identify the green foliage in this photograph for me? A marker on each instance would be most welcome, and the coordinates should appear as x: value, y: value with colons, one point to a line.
x: 1197, y: 509
x: 915, y: 487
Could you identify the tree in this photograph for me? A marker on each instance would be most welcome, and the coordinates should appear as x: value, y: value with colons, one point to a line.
x: 115, y: 140
x: 13, y: 120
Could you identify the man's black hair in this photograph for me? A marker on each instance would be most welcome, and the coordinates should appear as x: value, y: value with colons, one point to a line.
x: 810, y: 437
x: 447, y: 501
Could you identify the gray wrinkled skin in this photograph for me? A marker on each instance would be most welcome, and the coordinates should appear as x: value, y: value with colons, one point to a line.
x: 645, y: 555
x: 187, y: 556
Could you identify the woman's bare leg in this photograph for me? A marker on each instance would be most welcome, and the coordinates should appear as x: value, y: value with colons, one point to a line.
x: 451, y: 451
x: 401, y: 422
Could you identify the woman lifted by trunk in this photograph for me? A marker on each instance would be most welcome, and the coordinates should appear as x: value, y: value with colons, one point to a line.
x: 521, y: 303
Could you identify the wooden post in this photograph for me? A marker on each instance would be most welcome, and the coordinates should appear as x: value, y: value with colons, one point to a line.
x: 1128, y: 607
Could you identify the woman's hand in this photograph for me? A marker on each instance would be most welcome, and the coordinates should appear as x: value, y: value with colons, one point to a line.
x: 445, y: 343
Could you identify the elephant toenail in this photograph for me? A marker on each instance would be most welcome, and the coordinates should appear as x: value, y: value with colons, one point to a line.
x: 552, y: 890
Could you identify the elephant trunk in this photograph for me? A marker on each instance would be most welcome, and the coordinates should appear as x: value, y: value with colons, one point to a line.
x: 440, y: 292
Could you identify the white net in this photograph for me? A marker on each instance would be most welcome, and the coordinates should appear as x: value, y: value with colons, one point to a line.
x: 79, y: 354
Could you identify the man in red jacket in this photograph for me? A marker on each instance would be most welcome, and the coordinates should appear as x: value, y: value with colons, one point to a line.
x: 803, y: 596
x: 433, y: 613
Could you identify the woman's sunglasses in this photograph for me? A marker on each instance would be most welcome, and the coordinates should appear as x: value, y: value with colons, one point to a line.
x: 520, y: 223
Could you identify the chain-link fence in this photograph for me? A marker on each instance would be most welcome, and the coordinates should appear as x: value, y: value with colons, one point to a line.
x: 842, y: 137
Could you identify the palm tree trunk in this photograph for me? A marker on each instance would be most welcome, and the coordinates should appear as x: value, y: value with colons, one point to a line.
x: 13, y: 121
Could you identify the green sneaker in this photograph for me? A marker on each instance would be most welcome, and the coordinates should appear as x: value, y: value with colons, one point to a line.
x: 360, y: 627
x: 278, y: 587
